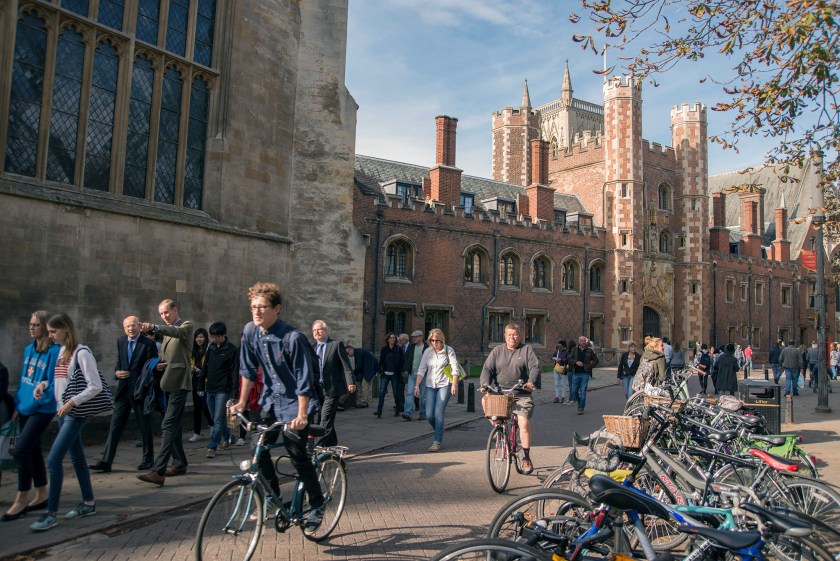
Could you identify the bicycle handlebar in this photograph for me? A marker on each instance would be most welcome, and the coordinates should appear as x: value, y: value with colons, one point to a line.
x: 496, y: 390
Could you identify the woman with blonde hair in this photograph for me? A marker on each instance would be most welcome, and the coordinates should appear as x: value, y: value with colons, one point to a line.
x: 440, y: 386
x: 655, y: 353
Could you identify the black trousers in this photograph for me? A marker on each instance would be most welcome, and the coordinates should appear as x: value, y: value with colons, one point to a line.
x: 200, y: 408
x: 173, y: 444
x: 329, y: 409
x: 295, y: 443
x: 123, y: 406
x: 28, y: 455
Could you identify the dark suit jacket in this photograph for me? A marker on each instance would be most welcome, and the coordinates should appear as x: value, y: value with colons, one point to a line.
x: 144, y: 349
x: 624, y: 370
x: 409, y: 355
x: 337, y: 371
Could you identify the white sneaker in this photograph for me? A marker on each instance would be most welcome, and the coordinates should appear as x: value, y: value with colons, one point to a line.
x: 240, y: 442
x: 195, y: 437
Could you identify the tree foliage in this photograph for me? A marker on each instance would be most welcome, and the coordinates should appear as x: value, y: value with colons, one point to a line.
x: 782, y: 83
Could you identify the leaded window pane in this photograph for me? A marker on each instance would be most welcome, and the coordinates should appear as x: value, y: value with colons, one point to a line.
x: 64, y: 120
x: 139, y: 124
x: 176, y: 31
x: 25, y: 102
x: 204, y: 27
x: 100, y: 132
x: 80, y: 7
x: 148, y: 16
x: 167, y: 152
x: 196, y: 143
x: 111, y: 13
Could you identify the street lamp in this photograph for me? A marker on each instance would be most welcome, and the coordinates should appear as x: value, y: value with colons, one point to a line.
x: 819, y: 222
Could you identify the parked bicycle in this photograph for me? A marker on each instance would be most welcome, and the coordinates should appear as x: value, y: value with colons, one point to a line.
x: 503, y: 446
x: 235, y: 518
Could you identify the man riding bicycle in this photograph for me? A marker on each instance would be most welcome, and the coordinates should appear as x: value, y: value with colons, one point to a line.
x: 506, y: 365
x: 290, y: 389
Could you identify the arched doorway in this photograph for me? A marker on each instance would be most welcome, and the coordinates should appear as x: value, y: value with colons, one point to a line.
x: 650, y: 322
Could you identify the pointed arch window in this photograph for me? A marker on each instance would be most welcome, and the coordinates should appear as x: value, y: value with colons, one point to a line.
x: 169, y: 125
x: 542, y: 273
x: 571, y: 271
x: 100, y: 131
x: 665, y: 243
x: 475, y: 266
x: 596, y: 277
x: 66, y: 104
x: 398, y: 260
x: 664, y: 197
x: 509, y: 270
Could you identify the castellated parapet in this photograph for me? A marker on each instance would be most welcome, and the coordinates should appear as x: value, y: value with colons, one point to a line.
x: 618, y: 86
x: 689, y: 112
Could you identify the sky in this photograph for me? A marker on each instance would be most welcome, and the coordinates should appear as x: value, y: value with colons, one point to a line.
x: 411, y: 60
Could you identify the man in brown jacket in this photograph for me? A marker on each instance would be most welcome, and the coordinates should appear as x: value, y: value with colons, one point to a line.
x: 175, y: 353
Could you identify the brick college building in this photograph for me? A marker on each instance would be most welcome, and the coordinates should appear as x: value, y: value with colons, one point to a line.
x: 585, y: 228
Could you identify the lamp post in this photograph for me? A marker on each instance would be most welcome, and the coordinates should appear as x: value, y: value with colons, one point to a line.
x: 819, y: 221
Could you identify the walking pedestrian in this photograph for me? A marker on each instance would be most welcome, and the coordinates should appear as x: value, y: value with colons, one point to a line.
x: 439, y: 386
x: 790, y: 360
x: 336, y: 378
x: 221, y: 370
x: 561, y: 376
x: 628, y: 365
x: 198, y: 361
x: 390, y: 370
x: 583, y: 359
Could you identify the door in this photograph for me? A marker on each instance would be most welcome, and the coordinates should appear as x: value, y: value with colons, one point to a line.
x: 650, y: 322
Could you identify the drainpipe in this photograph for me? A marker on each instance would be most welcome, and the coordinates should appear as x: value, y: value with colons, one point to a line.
x: 749, y: 305
x: 376, y: 254
x: 770, y: 312
x: 585, y: 290
x: 714, y: 305
x: 493, y: 280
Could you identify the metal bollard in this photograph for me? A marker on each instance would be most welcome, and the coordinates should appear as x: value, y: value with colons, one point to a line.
x: 789, y: 409
x: 460, y: 391
x: 471, y: 398
x: 766, y: 374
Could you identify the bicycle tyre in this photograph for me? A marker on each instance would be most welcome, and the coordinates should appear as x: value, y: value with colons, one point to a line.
x: 332, y: 476
x: 784, y: 548
x: 663, y: 534
x: 498, y: 460
x: 491, y: 549
x: 806, y: 465
x: 637, y: 398
x: 819, y: 504
x: 232, y: 524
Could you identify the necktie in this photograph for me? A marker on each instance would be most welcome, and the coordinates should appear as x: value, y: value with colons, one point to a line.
x: 130, y: 349
x: 321, y: 358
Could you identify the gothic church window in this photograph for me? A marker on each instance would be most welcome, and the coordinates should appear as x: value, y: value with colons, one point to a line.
x: 475, y: 266
x: 398, y: 260
x: 554, y: 150
x: 596, y: 275
x: 571, y: 270
x: 542, y: 273
x: 664, y: 197
x: 496, y: 323
x: 509, y: 270
x: 665, y: 243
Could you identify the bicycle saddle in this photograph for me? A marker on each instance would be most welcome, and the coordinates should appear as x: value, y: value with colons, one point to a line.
x: 776, y: 462
x: 773, y: 439
x: 749, y: 420
x: 605, y: 490
x: 722, y: 436
x: 785, y: 524
x: 317, y: 430
x: 726, y: 538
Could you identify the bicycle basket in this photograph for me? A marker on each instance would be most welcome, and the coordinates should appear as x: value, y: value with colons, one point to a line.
x: 663, y: 400
x: 498, y: 406
x: 631, y: 430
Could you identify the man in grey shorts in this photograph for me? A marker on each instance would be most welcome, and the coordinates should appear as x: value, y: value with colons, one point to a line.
x: 506, y: 365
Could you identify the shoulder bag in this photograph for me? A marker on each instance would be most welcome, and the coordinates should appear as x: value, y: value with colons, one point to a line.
x: 103, y: 402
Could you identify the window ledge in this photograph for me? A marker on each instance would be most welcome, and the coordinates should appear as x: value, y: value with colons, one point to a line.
x: 542, y: 290
x: 475, y: 285
x: 567, y: 291
x: 597, y: 294
x: 510, y: 288
x: 402, y: 280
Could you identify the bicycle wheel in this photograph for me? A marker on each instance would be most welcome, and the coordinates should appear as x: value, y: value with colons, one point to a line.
x: 806, y: 465
x: 784, y: 548
x: 232, y: 523
x: 491, y: 550
x: 638, y: 398
x: 819, y: 505
x: 561, y: 512
x: 663, y: 534
x: 333, y: 479
x: 498, y: 460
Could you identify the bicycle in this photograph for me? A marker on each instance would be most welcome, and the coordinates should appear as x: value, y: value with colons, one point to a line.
x: 234, y: 520
x: 503, y: 445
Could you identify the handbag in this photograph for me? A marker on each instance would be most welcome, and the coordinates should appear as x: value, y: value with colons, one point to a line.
x: 447, y: 371
x: 9, y: 434
x: 103, y: 402
x: 560, y: 369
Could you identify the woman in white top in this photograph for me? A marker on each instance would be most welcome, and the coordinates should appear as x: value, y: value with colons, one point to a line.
x: 834, y: 359
x: 74, y: 356
x: 439, y: 386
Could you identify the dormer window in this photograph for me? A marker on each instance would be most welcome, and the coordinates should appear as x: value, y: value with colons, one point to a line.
x: 467, y: 201
x: 407, y: 191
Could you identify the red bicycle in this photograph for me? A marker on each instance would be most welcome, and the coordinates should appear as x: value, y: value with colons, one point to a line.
x: 503, y: 446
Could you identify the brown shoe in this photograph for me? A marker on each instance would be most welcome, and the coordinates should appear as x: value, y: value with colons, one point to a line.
x: 580, y: 411
x: 175, y: 471
x: 152, y: 477
x: 527, y: 466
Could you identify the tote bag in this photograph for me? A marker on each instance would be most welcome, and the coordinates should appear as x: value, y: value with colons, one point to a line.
x: 103, y: 402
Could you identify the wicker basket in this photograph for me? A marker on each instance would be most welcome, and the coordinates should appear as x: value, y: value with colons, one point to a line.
x: 631, y: 430
x: 498, y: 406
x: 663, y: 400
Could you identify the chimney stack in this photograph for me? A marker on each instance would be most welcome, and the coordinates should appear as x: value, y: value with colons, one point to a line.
x: 539, y: 162
x: 540, y: 196
x: 718, y: 233
x: 752, y: 223
x: 781, y: 245
x: 445, y: 177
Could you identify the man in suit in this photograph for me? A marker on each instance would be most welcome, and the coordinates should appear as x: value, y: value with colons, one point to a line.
x: 176, y: 351
x: 132, y: 353
x: 336, y: 378
x: 412, y: 363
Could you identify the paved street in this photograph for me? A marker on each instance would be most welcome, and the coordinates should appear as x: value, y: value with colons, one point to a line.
x: 404, y: 503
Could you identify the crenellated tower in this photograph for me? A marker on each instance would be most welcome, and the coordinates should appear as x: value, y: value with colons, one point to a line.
x: 513, y: 131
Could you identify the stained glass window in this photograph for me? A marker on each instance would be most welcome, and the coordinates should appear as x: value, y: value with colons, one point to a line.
x: 139, y: 126
x: 66, y: 99
x: 78, y: 6
x: 196, y: 144
x: 25, y: 102
x: 204, y: 27
x: 111, y: 13
x: 100, y: 131
x: 167, y: 149
x: 148, y: 15
x: 176, y: 26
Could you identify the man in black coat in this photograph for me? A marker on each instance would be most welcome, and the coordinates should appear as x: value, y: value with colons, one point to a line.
x: 133, y: 351
x: 363, y: 373
x: 336, y: 378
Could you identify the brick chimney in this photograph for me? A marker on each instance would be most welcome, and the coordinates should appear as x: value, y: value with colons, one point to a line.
x: 718, y: 233
x: 781, y: 245
x: 751, y: 223
x: 540, y: 196
x: 523, y: 205
x: 445, y: 177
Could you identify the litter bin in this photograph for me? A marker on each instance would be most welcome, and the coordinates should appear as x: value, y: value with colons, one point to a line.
x: 766, y: 398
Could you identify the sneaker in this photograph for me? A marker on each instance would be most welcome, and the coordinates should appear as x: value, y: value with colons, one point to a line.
x: 44, y: 523
x: 224, y: 445
x: 313, y: 521
x: 527, y: 466
x: 434, y: 447
x: 556, y: 400
x: 195, y: 437
x: 81, y: 510
x: 210, y: 453
x: 240, y: 442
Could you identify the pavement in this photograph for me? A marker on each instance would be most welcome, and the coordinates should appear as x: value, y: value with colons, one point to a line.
x: 125, y: 504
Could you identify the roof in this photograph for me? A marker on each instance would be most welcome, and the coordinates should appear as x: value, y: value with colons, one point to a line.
x: 372, y: 173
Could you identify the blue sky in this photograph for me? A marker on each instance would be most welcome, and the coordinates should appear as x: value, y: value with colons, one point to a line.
x: 411, y: 60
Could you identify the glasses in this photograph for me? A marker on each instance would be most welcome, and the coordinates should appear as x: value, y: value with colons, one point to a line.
x: 34, y: 325
x: 260, y: 307
x: 435, y: 341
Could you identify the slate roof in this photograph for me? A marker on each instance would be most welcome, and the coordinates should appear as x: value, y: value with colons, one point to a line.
x: 372, y: 173
x: 797, y: 200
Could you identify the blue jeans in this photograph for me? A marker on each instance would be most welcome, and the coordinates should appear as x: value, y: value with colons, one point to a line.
x: 777, y: 372
x: 791, y: 381
x: 436, y: 400
x: 396, y: 386
x: 627, y: 382
x: 409, y: 395
x: 220, y: 432
x: 579, y: 382
x: 69, y: 439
